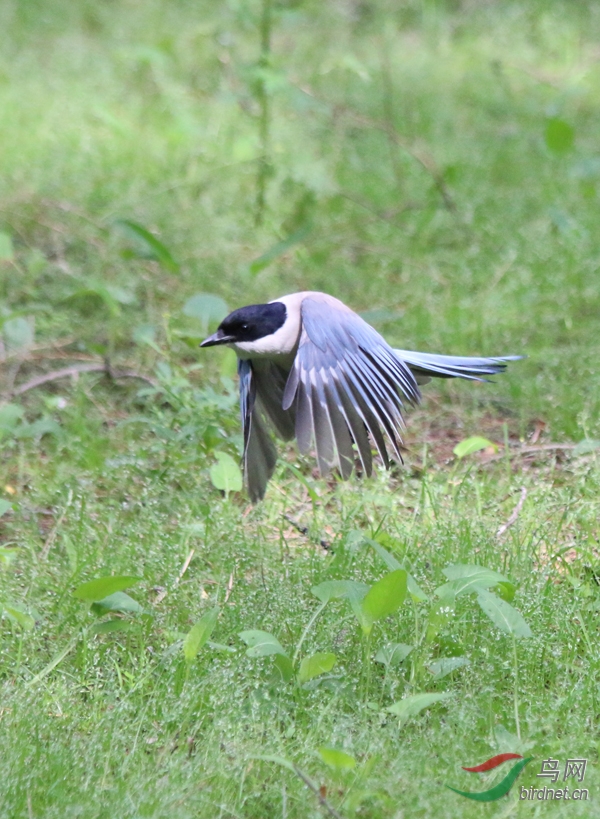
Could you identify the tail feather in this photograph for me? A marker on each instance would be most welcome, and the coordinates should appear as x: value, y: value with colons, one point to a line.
x: 427, y: 365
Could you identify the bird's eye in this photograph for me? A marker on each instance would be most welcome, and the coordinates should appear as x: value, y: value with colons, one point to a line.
x: 244, y: 326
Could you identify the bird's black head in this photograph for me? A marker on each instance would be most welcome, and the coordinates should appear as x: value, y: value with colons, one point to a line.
x: 249, y: 324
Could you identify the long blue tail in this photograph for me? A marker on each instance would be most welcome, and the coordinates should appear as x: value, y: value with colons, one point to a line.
x: 427, y: 365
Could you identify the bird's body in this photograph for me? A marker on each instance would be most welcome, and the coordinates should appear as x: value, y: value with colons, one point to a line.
x: 312, y: 368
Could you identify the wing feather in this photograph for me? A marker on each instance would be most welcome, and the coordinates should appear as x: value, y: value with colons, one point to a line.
x: 384, y: 406
x: 346, y: 381
x: 260, y: 455
x: 355, y: 423
x: 304, y: 424
x: 340, y: 426
x: 365, y: 406
x: 425, y: 365
x: 270, y: 380
x: 324, y: 438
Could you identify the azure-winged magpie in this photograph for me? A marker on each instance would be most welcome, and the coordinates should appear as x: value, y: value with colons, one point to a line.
x: 312, y: 368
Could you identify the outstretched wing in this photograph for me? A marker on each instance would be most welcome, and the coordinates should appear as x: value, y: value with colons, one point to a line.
x: 260, y: 455
x: 424, y: 366
x: 345, y: 381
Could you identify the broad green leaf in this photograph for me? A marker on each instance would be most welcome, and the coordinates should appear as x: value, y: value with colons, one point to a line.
x: 102, y: 587
x: 393, y: 654
x: 585, y: 446
x: 332, y: 589
x: 355, y: 596
x: 337, y: 759
x: 207, y: 308
x: 110, y: 626
x: 465, y: 578
x: 285, y: 667
x: 506, y: 591
x: 458, y: 571
x: 7, y: 253
x: 199, y: 633
x: 471, y: 445
x: 559, y: 135
x: 93, y: 293
x: 18, y: 334
x: 10, y: 415
x: 415, y: 591
x: 18, y: 615
x: 279, y: 248
x: 383, y: 598
x: 226, y: 474
x: 261, y: 643
x: 414, y: 704
x: 446, y: 665
x: 390, y: 561
x: 43, y: 426
x: 118, y: 601
x: 278, y: 760
x: 502, y: 614
x: 316, y: 664
x: 7, y: 555
x: 151, y: 247
x: 5, y: 506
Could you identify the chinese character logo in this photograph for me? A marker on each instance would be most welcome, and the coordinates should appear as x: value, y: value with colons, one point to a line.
x: 550, y: 769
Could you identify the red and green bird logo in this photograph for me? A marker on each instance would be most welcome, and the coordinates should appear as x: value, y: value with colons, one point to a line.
x: 503, y: 787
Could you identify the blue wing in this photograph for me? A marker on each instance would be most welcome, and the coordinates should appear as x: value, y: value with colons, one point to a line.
x: 260, y: 455
x: 345, y: 381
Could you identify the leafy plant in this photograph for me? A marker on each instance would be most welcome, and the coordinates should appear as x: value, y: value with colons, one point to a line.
x: 263, y: 644
x: 146, y: 245
x: 472, y: 445
x: 226, y: 474
x: 106, y: 596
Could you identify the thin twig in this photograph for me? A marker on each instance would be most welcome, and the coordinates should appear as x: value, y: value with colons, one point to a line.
x: 312, y: 787
x: 229, y: 588
x: 424, y: 160
x: 515, y: 514
x: 304, y: 531
x: 385, y: 216
x: 56, y: 356
x: 163, y: 593
x: 53, y: 345
x: 74, y: 372
x: 529, y: 450
x: 52, y: 536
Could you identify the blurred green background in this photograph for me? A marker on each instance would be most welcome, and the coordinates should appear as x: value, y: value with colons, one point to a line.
x: 434, y: 160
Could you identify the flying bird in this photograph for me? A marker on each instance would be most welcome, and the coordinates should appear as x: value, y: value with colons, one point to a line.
x: 311, y: 368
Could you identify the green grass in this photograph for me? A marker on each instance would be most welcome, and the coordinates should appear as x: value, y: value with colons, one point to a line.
x: 412, y: 170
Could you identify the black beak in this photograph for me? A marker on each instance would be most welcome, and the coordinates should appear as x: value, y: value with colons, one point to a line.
x: 217, y: 338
